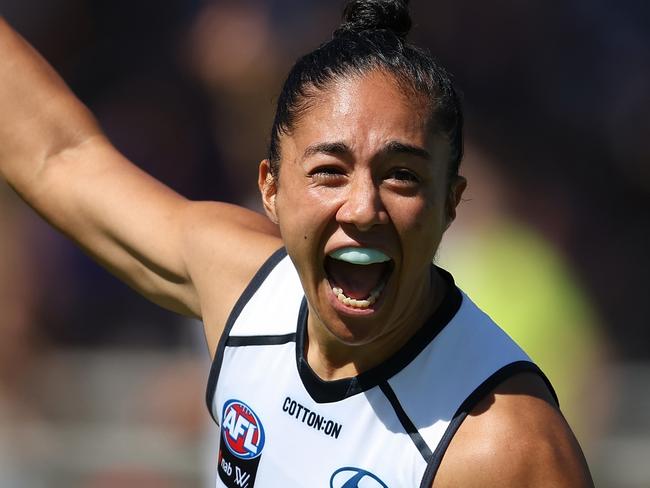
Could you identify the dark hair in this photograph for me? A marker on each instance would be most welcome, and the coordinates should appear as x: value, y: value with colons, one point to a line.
x: 371, y: 37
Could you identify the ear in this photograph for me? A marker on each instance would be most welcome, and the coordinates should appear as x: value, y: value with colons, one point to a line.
x: 269, y: 189
x: 456, y: 189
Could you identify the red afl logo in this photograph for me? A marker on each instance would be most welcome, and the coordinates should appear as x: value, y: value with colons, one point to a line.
x: 242, y: 430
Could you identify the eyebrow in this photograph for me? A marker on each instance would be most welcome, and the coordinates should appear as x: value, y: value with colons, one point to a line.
x: 341, y: 148
x: 396, y: 147
x: 329, y: 148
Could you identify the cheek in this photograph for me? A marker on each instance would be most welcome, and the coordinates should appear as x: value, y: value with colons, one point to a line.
x: 303, y: 216
x: 412, y: 214
x: 420, y: 224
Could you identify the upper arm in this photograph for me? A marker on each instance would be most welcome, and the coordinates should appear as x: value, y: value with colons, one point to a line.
x: 514, y: 437
x: 155, y: 240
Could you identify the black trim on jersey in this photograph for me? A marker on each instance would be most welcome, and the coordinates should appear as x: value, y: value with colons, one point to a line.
x: 470, y: 402
x: 333, y: 391
x: 248, y: 293
x: 406, y: 422
x: 265, y: 340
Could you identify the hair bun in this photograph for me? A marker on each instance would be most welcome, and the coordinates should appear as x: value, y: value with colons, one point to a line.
x: 367, y: 15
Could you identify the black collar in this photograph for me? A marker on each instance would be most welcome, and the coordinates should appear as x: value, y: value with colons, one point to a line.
x: 332, y: 391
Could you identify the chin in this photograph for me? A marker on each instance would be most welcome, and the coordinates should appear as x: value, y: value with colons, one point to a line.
x: 353, y: 331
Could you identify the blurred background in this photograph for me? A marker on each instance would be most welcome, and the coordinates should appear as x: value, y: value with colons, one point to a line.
x: 99, y: 388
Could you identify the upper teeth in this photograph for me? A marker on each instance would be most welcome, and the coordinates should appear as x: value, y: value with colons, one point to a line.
x: 359, y: 255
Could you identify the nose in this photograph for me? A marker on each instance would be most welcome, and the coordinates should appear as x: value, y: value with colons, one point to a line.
x: 363, y: 206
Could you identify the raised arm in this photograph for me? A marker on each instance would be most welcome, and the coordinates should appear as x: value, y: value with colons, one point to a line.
x: 179, y: 254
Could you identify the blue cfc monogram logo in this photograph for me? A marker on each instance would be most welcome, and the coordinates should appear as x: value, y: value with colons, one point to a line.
x: 353, y: 478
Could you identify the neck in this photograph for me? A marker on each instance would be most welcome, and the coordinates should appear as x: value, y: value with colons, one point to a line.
x: 332, y: 359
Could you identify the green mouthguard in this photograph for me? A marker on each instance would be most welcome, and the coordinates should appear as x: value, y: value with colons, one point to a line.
x: 359, y: 255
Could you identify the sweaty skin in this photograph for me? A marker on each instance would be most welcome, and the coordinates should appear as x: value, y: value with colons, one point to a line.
x: 360, y: 170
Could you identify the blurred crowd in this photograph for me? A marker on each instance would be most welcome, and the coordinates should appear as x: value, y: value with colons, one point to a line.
x: 552, y: 238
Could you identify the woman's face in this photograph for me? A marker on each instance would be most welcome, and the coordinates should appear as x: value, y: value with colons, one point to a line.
x: 362, y: 170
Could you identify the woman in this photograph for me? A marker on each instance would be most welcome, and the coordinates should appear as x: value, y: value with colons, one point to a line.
x: 341, y: 355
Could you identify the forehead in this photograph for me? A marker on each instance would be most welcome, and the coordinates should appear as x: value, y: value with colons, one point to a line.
x: 364, y: 111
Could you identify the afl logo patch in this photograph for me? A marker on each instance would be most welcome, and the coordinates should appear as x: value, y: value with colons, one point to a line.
x: 355, y: 478
x: 242, y: 430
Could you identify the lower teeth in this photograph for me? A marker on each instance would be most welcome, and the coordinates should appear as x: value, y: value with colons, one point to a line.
x: 355, y: 303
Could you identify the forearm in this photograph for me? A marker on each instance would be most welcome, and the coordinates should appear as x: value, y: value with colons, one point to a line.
x: 39, y: 116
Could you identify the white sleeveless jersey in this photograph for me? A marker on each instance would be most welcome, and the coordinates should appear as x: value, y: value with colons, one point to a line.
x: 282, y: 426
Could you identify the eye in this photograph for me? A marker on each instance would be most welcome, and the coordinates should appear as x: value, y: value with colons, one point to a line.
x: 326, y: 173
x: 403, y: 176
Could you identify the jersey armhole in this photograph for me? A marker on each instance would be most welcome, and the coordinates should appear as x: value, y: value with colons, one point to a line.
x: 470, y: 402
x: 244, y: 298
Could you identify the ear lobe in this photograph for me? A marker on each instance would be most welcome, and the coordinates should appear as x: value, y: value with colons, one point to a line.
x: 268, y: 189
x: 454, y: 196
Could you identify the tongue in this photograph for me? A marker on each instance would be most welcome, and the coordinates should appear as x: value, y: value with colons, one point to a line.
x: 356, y: 281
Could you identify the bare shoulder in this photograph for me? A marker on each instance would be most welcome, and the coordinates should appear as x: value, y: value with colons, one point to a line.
x: 224, y: 246
x: 515, y: 437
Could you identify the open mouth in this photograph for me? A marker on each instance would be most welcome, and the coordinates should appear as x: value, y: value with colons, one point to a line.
x: 358, y: 275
